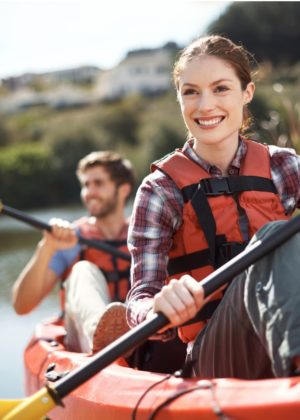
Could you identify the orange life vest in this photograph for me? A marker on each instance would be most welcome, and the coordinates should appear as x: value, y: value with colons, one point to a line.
x: 115, y: 270
x: 210, y: 233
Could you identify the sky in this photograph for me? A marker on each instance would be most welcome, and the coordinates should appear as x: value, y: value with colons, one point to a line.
x: 47, y: 35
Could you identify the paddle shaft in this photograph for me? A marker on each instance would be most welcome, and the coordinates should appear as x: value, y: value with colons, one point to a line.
x: 138, y: 335
x: 23, y: 217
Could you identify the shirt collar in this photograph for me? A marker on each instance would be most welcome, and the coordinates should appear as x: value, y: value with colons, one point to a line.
x: 235, y: 163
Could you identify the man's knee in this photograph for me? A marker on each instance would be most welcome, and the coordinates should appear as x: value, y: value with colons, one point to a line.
x: 82, y: 266
x: 79, y: 271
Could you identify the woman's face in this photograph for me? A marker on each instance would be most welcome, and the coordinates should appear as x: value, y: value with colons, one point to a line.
x: 212, y: 100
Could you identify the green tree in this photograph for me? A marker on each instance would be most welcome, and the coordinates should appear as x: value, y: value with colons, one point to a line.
x: 118, y: 122
x: 5, y: 134
x: 270, y: 30
x: 67, y: 149
x: 25, y: 176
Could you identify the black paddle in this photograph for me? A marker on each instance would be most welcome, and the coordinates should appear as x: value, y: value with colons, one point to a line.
x: 23, y: 217
x: 146, y: 329
x: 210, y: 284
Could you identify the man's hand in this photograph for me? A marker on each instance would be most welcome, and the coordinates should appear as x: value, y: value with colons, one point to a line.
x: 62, y: 236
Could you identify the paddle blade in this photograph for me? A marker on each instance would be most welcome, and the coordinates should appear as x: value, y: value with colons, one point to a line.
x: 7, y: 405
x: 34, y: 407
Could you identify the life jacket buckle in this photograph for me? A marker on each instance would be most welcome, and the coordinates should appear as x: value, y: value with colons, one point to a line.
x: 216, y: 186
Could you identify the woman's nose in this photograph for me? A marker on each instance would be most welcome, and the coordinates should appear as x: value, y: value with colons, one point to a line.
x: 205, y: 102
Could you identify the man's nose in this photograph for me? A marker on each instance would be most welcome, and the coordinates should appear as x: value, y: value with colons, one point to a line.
x: 90, y: 190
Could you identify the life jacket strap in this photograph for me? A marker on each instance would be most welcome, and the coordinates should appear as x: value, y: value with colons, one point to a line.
x: 115, y: 276
x: 198, y: 259
x: 229, y: 185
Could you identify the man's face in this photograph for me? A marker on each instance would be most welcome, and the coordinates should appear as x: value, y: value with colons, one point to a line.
x: 98, y: 192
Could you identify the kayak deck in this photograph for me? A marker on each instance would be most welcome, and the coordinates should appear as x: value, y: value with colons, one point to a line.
x: 114, y: 393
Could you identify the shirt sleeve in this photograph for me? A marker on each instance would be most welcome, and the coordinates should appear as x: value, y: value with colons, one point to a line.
x: 63, y: 259
x: 156, y: 216
x: 285, y: 171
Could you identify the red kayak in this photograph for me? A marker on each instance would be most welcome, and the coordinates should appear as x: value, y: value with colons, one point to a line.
x: 121, y: 392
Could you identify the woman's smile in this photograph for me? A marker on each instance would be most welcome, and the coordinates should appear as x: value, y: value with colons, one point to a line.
x: 208, y: 123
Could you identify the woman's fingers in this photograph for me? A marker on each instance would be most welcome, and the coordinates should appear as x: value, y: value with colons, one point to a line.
x: 195, y: 289
x: 180, y: 300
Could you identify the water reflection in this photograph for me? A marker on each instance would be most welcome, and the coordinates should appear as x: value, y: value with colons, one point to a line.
x: 17, y: 243
x: 15, y: 250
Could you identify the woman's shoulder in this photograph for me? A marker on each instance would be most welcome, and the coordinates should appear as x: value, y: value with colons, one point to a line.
x: 158, y: 179
x: 277, y: 151
x: 159, y: 187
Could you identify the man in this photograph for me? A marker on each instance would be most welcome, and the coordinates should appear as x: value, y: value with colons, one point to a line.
x: 92, y: 277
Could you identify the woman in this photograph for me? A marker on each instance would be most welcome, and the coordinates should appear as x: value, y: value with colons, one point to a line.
x: 199, y: 207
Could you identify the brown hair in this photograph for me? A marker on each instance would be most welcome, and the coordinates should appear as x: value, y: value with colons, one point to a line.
x: 119, y: 169
x: 236, y: 55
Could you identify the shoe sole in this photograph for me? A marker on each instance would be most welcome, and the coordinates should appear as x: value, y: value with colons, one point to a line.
x: 111, y: 326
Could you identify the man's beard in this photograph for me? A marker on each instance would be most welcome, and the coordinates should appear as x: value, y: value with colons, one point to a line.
x: 108, y: 206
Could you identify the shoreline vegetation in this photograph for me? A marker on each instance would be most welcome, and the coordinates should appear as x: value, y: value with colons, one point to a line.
x: 40, y: 146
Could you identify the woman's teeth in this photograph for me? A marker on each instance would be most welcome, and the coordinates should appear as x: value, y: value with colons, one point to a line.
x: 210, y: 122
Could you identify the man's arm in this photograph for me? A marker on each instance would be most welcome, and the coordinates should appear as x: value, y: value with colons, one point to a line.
x: 36, y: 279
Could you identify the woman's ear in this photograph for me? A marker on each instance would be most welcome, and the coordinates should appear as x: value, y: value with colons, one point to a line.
x: 249, y: 92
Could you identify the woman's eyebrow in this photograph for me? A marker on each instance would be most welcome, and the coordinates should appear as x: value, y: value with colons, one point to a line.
x: 220, y: 81
x: 216, y: 82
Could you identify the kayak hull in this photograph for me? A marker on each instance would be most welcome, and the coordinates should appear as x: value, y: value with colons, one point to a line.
x: 113, y: 393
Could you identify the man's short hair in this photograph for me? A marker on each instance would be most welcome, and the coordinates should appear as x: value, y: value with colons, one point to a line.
x: 119, y: 168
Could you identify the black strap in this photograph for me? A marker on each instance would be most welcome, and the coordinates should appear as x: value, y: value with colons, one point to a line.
x: 188, y: 262
x: 243, y: 218
x: 115, y: 243
x: 206, y: 221
x: 198, y: 259
x: 115, y: 275
x: 228, y: 250
x: 229, y: 185
x: 116, y: 296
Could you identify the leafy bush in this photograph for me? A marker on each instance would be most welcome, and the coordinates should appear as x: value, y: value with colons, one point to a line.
x: 25, y: 179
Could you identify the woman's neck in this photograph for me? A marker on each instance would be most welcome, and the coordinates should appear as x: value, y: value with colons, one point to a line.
x: 219, y: 155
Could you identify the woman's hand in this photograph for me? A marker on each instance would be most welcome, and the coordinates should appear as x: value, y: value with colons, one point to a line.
x: 180, y: 300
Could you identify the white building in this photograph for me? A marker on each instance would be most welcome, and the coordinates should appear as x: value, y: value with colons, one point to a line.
x: 145, y: 71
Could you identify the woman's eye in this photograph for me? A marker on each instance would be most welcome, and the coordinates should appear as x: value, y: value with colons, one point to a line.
x: 189, y: 92
x: 221, y: 88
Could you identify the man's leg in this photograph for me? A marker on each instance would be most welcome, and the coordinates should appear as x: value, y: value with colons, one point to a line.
x: 255, y: 331
x: 92, y: 322
x: 86, y: 299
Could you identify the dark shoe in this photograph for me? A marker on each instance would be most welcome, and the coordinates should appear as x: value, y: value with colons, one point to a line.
x: 111, y: 326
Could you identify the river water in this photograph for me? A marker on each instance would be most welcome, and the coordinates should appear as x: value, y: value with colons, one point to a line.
x: 17, y: 243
